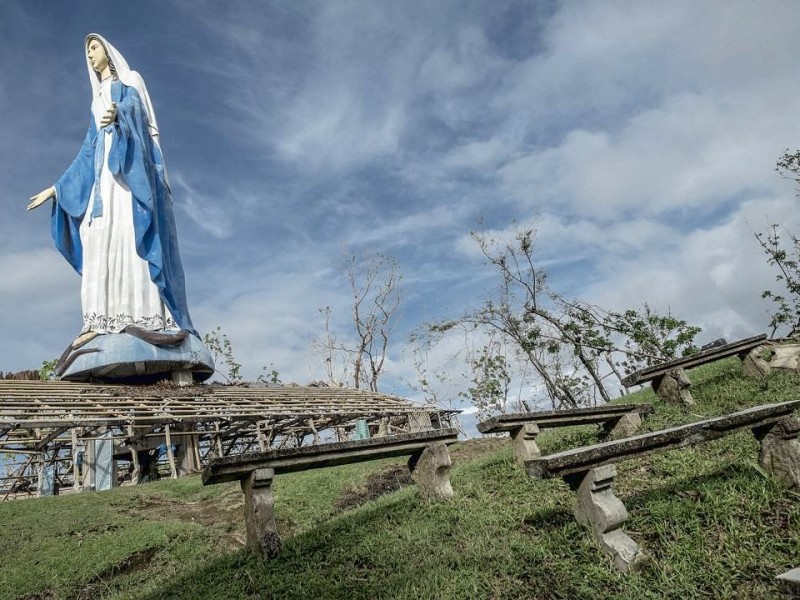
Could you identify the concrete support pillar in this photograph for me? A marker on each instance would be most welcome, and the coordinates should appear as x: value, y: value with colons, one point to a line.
x: 170, y: 454
x: 790, y: 582
x: 89, y: 466
x: 627, y: 425
x: 182, y: 378
x: 105, y: 467
x: 673, y: 388
x: 259, y: 517
x: 430, y: 469
x: 383, y: 427
x: 76, y: 469
x: 601, y: 511
x: 780, y: 450
x: 525, y: 447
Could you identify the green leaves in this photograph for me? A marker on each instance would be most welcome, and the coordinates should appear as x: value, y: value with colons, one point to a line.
x: 220, y: 347
x: 785, y: 256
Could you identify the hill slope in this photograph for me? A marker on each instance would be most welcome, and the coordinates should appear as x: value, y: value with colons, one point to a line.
x: 712, y: 522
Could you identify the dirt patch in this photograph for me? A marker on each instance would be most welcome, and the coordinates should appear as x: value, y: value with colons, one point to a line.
x: 133, y: 563
x: 376, y: 485
x: 223, y: 513
x: 396, y: 477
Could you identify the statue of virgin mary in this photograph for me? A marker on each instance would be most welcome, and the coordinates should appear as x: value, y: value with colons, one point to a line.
x: 112, y: 216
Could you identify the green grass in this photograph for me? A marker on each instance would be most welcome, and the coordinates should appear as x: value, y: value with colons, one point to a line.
x: 713, y: 523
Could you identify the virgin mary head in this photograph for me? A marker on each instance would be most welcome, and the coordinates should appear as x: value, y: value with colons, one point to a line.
x: 98, y: 56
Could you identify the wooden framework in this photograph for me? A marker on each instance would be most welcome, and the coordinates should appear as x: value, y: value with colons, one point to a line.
x: 47, y: 424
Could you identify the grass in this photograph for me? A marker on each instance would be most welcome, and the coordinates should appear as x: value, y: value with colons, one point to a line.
x: 713, y: 523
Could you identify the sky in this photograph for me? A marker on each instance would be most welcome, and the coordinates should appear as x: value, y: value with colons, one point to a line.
x: 639, y: 138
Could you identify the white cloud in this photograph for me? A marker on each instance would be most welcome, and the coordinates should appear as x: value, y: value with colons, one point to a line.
x: 212, y: 215
x: 637, y: 137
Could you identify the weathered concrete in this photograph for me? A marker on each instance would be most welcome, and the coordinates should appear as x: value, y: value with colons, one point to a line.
x: 383, y: 428
x: 46, y: 478
x: 105, y: 467
x: 525, y: 447
x: 780, y: 451
x: 772, y: 357
x: 430, y: 470
x: 618, y: 420
x: 182, y: 378
x: 673, y: 388
x: 601, y: 511
x: 627, y: 425
x: 429, y: 465
x: 590, y: 472
x: 756, y: 363
x: 550, y: 419
x: 790, y: 581
x: 578, y: 460
x: 739, y: 348
x: 124, y: 357
x: 259, y: 517
x: 287, y: 460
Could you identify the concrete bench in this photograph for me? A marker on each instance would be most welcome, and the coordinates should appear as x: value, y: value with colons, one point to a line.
x: 429, y: 464
x: 590, y: 470
x: 617, y: 419
x: 669, y: 380
x: 790, y: 582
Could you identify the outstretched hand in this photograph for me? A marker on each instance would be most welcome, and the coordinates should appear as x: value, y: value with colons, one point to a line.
x: 110, y: 116
x: 41, y: 198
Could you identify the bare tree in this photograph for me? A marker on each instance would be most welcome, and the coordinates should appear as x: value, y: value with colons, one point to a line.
x: 374, y: 281
x: 334, y: 355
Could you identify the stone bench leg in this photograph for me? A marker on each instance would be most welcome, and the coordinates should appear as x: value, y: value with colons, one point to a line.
x: 790, y: 582
x: 673, y: 388
x: 780, y: 450
x: 627, y: 425
x: 262, y: 534
x: 430, y: 469
x: 601, y: 511
x: 525, y: 447
x: 753, y: 362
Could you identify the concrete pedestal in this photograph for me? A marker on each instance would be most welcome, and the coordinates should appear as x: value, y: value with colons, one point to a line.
x: 120, y: 357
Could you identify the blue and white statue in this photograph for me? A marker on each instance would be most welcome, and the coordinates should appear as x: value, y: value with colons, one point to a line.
x: 112, y: 220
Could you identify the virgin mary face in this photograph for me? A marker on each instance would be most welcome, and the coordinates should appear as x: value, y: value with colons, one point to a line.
x: 97, y: 55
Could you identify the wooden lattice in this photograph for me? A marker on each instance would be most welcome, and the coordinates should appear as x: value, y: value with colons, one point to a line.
x: 44, y: 423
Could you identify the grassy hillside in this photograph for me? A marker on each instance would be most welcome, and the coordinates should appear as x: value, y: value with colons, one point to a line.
x: 714, y: 525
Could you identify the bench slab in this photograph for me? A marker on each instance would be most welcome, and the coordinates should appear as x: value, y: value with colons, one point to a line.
x: 590, y: 471
x: 562, y: 418
x: 695, y: 360
x: 790, y: 580
x: 580, y: 460
x: 287, y: 460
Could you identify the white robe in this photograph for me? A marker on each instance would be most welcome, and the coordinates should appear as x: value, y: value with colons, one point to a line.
x: 116, y: 289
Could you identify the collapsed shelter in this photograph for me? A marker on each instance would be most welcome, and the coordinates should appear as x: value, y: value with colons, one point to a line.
x: 79, y: 436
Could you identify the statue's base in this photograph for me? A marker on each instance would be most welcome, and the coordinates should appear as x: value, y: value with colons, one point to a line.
x: 123, y: 358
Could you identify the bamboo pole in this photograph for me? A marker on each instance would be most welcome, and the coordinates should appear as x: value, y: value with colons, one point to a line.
x: 170, y: 454
x: 76, y: 477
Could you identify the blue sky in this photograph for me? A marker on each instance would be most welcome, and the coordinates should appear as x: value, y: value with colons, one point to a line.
x: 639, y: 138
